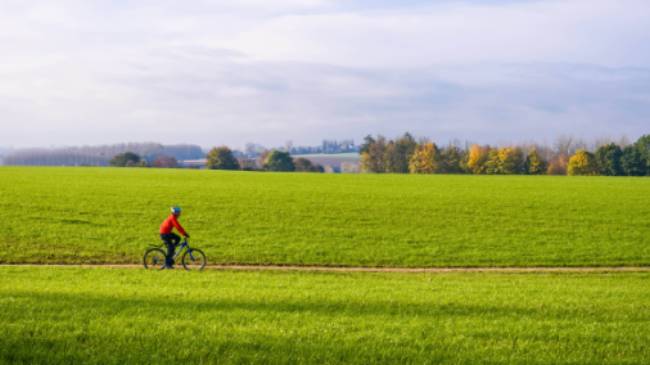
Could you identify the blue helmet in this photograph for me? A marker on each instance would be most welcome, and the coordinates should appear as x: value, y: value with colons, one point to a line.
x: 176, y: 210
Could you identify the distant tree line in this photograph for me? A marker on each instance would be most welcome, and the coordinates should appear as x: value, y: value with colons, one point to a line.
x: 406, y: 155
x: 223, y: 158
x: 326, y: 147
x: 101, y: 155
x: 131, y: 159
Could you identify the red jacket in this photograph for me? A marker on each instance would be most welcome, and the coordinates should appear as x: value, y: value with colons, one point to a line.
x: 170, y: 223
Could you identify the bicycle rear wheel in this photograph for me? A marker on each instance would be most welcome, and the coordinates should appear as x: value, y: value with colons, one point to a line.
x: 194, y: 260
x: 154, y: 259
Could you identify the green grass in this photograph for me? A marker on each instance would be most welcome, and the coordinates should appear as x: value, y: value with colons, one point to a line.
x: 100, y: 215
x: 110, y: 316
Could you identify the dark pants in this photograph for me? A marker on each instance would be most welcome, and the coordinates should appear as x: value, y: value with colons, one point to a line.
x: 171, y: 241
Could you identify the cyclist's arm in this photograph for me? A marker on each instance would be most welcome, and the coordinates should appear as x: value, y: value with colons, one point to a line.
x: 179, y: 228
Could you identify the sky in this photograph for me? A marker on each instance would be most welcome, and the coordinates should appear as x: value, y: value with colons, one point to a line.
x: 80, y: 72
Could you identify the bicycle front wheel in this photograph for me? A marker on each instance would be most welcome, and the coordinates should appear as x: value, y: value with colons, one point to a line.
x: 154, y: 259
x: 194, y: 260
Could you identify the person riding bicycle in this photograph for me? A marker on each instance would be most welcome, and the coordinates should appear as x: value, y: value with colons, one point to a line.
x: 170, y: 238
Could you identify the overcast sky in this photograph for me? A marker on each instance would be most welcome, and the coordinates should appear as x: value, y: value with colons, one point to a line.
x: 267, y: 71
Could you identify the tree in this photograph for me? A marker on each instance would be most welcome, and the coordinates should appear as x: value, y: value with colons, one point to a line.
x: 367, y: 142
x: 643, y: 145
x: 582, y: 163
x: 493, y: 163
x: 511, y: 161
x: 372, y: 155
x: 632, y: 162
x: 279, y: 161
x: 398, y: 153
x: 451, y: 160
x: 477, y: 158
x: 304, y: 165
x: 126, y: 159
x: 221, y: 158
x: 165, y: 162
x: 425, y: 159
x: 608, y: 160
x: 558, y: 165
x: 535, y: 164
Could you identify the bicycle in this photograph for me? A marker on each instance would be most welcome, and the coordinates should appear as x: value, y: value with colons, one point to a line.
x: 193, y: 259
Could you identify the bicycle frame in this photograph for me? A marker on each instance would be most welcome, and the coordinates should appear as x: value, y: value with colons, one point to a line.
x: 183, y: 247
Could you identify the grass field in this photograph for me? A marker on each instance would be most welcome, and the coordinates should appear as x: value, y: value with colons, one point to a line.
x: 110, y: 316
x: 101, y: 215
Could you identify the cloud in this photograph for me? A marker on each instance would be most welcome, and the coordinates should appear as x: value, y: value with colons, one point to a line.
x: 214, y: 72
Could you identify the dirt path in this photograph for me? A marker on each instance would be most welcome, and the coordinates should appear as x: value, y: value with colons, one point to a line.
x: 374, y: 269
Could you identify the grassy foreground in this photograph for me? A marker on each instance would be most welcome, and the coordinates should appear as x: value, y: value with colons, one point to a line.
x: 102, y: 215
x: 109, y: 316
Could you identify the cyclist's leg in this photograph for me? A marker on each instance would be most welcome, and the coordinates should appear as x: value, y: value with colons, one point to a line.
x: 175, y: 239
x: 170, y: 240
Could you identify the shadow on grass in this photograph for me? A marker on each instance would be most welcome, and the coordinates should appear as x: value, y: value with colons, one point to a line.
x: 56, y: 302
x: 141, y: 344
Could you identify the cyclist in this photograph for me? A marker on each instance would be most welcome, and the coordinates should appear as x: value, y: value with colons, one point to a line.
x: 170, y: 238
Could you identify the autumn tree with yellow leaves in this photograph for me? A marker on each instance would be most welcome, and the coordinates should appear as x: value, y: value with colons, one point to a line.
x: 477, y: 158
x: 425, y: 159
x: 582, y: 163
